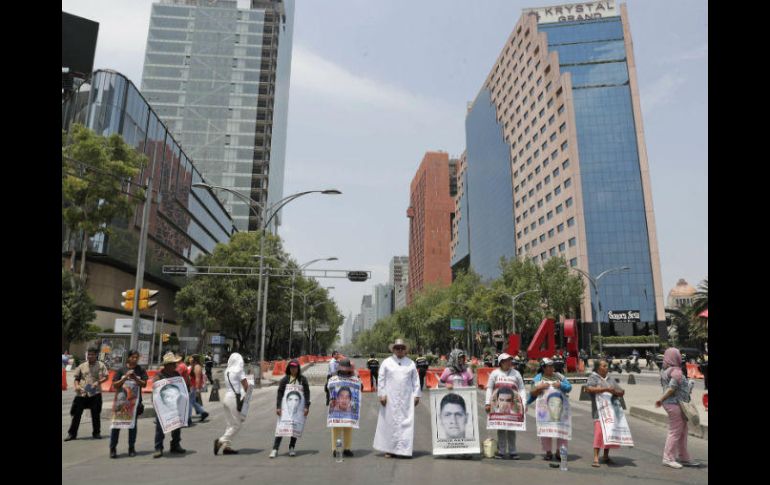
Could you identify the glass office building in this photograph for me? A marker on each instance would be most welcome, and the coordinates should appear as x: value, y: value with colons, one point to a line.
x: 564, y: 97
x: 185, y: 222
x: 219, y: 78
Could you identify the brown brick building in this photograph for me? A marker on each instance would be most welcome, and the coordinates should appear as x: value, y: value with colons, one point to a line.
x: 430, y: 229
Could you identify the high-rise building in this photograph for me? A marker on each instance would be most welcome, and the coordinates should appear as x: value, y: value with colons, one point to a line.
x: 367, y: 312
x: 430, y: 211
x: 399, y: 278
x: 358, y: 325
x: 219, y: 78
x: 383, y: 301
x: 556, y: 159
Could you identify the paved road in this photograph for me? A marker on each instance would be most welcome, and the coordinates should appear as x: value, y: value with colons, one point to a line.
x: 86, y: 460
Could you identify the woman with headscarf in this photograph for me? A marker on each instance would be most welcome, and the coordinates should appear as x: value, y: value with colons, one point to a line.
x: 237, y: 386
x: 457, y: 373
x: 293, y: 377
x: 677, y: 389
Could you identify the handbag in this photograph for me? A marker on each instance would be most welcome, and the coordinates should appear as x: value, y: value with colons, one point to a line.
x: 140, y: 409
x: 238, y: 400
x: 690, y: 412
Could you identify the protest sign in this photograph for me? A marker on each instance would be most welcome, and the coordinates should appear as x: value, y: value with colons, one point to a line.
x: 171, y: 402
x: 291, y: 422
x: 612, y: 420
x: 124, y: 406
x: 508, y: 409
x: 344, y: 403
x: 454, y: 421
x: 554, y: 419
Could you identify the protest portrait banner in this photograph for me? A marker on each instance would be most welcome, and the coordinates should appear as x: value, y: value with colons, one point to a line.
x: 171, y: 402
x: 344, y: 403
x: 124, y: 406
x: 508, y: 406
x: 554, y: 419
x: 612, y: 420
x: 454, y: 421
x: 291, y: 422
x: 246, y: 396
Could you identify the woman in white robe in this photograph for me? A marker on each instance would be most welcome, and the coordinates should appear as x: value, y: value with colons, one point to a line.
x: 399, y: 392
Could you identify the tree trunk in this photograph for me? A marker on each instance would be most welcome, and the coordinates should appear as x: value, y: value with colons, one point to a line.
x: 83, y: 256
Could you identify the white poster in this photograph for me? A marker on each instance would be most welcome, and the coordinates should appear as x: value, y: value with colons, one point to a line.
x: 247, y: 396
x: 344, y: 403
x: 170, y: 399
x: 291, y: 422
x: 508, y: 406
x: 612, y: 420
x: 143, y: 346
x: 124, y: 406
x: 454, y: 421
x: 554, y: 419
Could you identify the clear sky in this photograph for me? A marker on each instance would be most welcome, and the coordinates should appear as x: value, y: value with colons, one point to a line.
x: 376, y: 84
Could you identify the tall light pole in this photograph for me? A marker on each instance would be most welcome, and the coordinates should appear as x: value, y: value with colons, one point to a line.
x: 595, y: 285
x: 267, y: 215
x: 305, y: 295
x: 513, y: 307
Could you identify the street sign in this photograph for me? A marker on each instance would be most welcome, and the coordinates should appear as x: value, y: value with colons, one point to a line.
x: 358, y: 275
x: 188, y: 339
x: 457, y: 324
x: 144, y: 351
x: 178, y: 270
x: 123, y: 325
x: 217, y: 340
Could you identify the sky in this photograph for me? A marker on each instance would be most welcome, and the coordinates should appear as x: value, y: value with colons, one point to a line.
x: 376, y: 84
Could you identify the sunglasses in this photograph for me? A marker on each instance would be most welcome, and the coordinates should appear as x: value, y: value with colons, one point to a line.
x: 399, y: 347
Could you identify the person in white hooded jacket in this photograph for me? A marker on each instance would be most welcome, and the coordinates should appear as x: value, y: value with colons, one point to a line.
x: 506, y: 373
x: 237, y: 386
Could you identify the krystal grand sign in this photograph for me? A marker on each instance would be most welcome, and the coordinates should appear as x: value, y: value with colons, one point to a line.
x: 574, y: 11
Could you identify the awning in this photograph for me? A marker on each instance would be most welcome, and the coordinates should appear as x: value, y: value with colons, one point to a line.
x: 704, y: 313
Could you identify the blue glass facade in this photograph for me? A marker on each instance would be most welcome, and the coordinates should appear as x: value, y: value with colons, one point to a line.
x: 185, y: 222
x: 488, y: 189
x: 613, y: 203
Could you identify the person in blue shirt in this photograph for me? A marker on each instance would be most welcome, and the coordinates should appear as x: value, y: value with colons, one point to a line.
x: 542, y: 381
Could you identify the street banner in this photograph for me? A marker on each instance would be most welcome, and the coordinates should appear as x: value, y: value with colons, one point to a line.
x: 170, y: 399
x: 124, y: 406
x: 554, y: 419
x: 291, y: 422
x: 344, y: 403
x: 247, y: 396
x: 508, y: 406
x: 456, y: 324
x: 454, y: 421
x: 612, y: 420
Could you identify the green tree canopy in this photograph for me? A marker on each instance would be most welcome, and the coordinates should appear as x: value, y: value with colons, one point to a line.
x: 77, y: 309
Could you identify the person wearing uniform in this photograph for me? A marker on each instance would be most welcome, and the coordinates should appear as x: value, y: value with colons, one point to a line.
x: 422, y: 369
x: 374, y: 368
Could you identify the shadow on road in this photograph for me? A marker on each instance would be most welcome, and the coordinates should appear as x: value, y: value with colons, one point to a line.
x: 307, y: 452
x: 619, y: 462
x: 249, y: 451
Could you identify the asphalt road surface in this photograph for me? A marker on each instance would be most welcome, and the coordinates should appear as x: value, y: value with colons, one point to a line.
x: 87, y: 461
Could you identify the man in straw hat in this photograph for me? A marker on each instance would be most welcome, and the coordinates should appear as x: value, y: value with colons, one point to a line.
x: 170, y: 362
x: 399, y: 392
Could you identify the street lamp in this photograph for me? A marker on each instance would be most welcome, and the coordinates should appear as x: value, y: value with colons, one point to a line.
x: 513, y: 307
x: 305, y: 295
x: 291, y: 312
x: 272, y: 211
x: 595, y: 285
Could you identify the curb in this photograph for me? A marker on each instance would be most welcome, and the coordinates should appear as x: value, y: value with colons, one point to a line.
x: 700, y: 431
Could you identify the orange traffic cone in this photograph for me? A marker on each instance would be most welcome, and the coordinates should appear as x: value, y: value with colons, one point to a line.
x: 63, y: 380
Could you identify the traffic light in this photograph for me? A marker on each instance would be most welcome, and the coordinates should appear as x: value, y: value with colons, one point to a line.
x: 165, y: 337
x: 144, y: 299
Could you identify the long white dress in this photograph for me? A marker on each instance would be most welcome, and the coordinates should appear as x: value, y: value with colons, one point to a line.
x: 400, y: 383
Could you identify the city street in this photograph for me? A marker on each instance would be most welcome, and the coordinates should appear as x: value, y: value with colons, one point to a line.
x: 86, y: 460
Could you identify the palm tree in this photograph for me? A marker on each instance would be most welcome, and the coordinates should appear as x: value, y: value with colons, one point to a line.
x: 701, y: 300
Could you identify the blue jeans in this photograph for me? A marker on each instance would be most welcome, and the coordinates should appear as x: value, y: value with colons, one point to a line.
x: 194, y: 404
x: 176, y: 436
x: 115, y: 435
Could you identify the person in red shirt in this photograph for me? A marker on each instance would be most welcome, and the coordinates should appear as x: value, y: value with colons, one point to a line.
x: 197, y: 381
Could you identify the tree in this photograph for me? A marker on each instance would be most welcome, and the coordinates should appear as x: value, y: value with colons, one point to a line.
x: 95, y: 173
x: 77, y: 309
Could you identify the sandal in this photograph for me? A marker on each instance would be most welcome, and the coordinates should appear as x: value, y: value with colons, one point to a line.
x: 595, y: 464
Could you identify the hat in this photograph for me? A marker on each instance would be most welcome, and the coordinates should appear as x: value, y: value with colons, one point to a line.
x: 547, y: 361
x: 398, y: 341
x: 345, y: 365
x: 170, y: 358
x: 294, y: 363
x: 503, y: 357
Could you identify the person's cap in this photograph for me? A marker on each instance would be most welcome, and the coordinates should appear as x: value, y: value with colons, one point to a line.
x: 547, y: 361
x: 294, y: 363
x: 170, y: 358
x: 503, y: 357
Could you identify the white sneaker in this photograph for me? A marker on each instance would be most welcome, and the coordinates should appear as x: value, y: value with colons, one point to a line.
x: 274, y: 453
x: 691, y: 463
x: 672, y: 464
x: 292, y: 452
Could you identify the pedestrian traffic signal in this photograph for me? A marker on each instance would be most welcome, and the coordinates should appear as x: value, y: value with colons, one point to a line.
x: 144, y: 299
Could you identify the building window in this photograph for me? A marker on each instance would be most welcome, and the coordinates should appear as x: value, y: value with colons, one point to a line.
x: 537, y: 153
x: 526, y: 230
x: 560, y: 110
x: 573, y: 262
x: 526, y: 247
x: 560, y: 228
x: 540, y: 203
x: 564, y: 146
x: 539, y: 186
x: 567, y: 183
x: 542, y: 238
x: 542, y: 129
x: 550, y: 233
x: 518, y: 219
x: 565, y: 164
x: 534, y: 243
x: 529, y: 177
x: 552, y: 251
x: 563, y: 128
x: 541, y: 221
x: 562, y: 247
x: 532, y: 209
x: 570, y: 222
x: 559, y: 209
x: 548, y: 86
x: 550, y: 102
x: 529, y: 160
x: 532, y: 227
x: 531, y: 192
x: 552, y: 137
x: 568, y: 202
x: 548, y: 197
x: 543, y: 256
x: 537, y: 169
x: 534, y: 259
x: 556, y: 172
x: 557, y: 190
x: 545, y: 163
x: 572, y: 242
x: 551, y: 120
x: 549, y: 215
